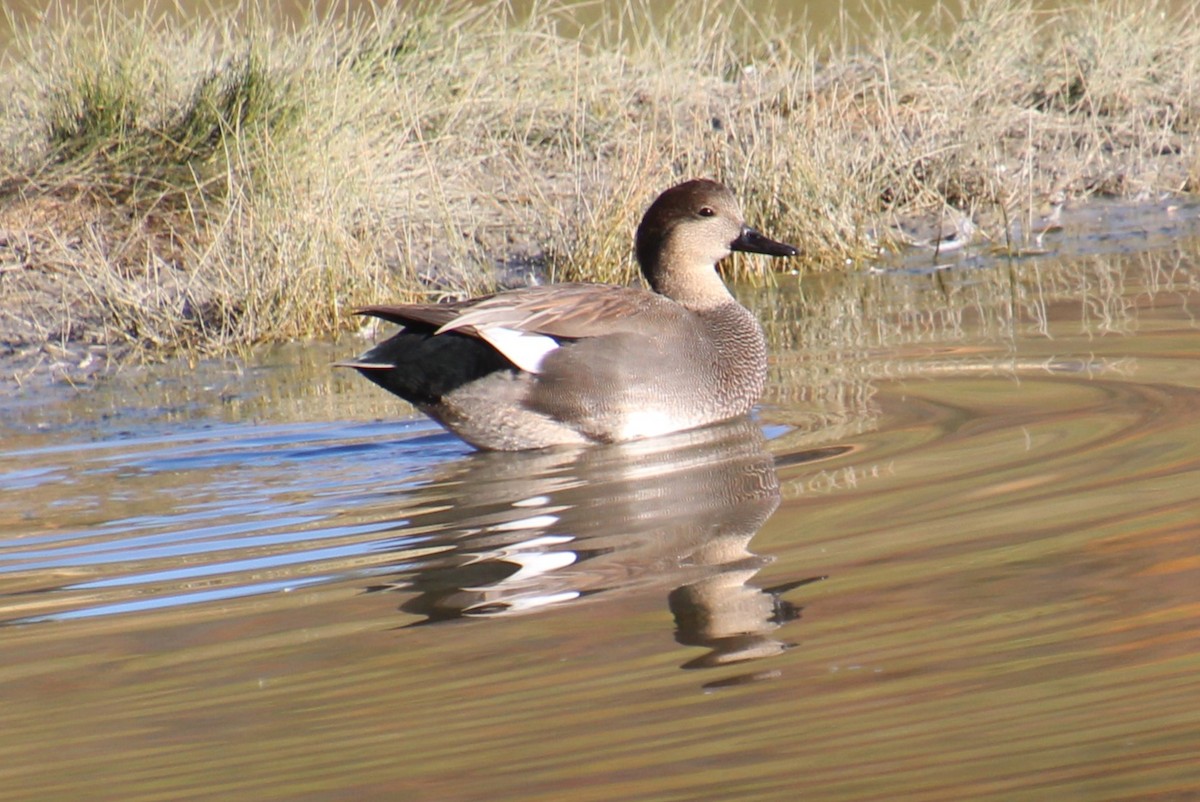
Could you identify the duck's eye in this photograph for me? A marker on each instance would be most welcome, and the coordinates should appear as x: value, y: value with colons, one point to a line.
x: 706, y: 211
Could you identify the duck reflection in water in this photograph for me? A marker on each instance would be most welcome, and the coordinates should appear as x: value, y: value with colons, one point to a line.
x: 554, y: 527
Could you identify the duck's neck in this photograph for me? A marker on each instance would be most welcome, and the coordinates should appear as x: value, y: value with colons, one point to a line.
x: 695, y: 288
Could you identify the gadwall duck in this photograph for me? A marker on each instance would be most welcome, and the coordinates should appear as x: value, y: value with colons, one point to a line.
x: 570, y: 364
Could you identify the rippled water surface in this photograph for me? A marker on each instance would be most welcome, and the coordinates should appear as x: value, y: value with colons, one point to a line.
x: 955, y: 556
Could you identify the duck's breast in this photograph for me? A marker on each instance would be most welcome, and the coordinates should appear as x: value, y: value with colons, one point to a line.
x: 652, y: 381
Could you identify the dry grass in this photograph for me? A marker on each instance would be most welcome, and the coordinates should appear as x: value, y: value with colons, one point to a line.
x: 208, y: 185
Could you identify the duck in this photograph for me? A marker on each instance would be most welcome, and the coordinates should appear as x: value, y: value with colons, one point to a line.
x: 574, y: 364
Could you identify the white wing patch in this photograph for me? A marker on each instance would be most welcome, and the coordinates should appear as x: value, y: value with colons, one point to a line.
x: 524, y: 349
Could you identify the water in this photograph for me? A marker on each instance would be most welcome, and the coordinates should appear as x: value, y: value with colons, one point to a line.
x: 953, y: 557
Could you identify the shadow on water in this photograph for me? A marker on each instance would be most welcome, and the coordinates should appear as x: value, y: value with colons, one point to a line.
x: 559, y: 527
x: 482, y: 537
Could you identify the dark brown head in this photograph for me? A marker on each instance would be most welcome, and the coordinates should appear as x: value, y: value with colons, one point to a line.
x: 687, y: 230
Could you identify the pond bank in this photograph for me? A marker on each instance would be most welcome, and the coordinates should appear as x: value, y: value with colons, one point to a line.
x: 202, y: 188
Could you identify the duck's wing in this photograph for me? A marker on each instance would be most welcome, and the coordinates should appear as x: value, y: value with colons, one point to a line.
x: 562, y: 311
x: 525, y: 326
x: 429, y: 316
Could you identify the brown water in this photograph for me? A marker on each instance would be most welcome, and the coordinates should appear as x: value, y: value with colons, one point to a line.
x: 956, y: 556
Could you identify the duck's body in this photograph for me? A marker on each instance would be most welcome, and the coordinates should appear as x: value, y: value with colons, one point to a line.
x: 582, y: 363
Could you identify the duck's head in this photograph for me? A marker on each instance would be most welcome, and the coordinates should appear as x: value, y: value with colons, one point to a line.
x: 686, y: 231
